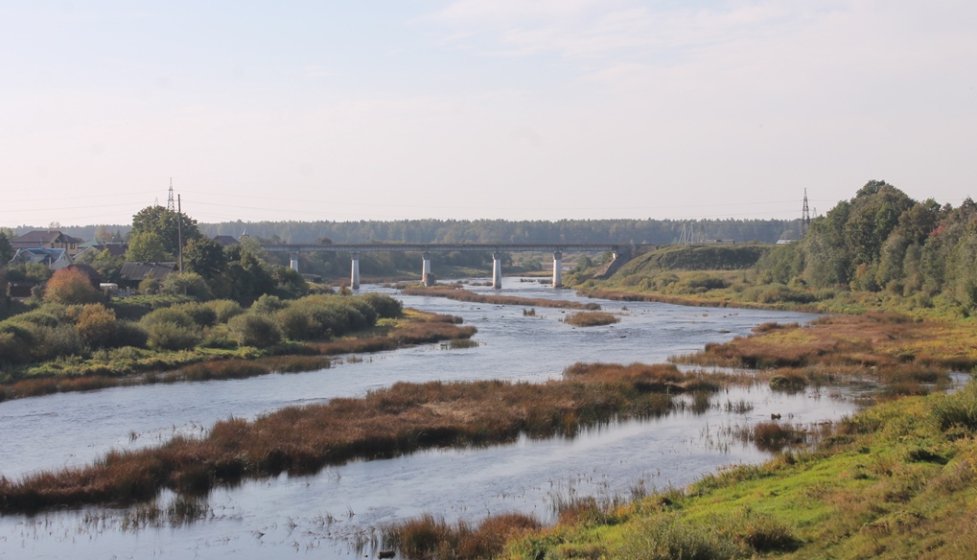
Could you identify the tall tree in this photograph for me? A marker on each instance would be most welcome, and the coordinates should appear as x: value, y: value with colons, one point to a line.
x: 165, y: 224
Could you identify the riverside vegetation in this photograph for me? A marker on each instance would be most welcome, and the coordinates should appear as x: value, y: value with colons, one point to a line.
x: 387, y: 422
x: 895, y: 481
x: 56, y: 347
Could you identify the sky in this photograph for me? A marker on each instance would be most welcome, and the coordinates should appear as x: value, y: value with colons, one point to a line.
x: 471, y: 109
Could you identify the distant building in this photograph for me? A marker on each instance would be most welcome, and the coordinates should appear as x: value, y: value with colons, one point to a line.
x: 133, y: 273
x: 226, y: 240
x: 50, y: 239
x: 95, y: 248
x: 55, y: 259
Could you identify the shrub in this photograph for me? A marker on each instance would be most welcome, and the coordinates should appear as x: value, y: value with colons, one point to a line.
x: 186, y: 283
x: 96, y: 325
x: 149, y: 286
x: 386, y: 307
x: 172, y: 336
x: 295, y: 323
x: 268, y: 304
x: 60, y: 341
x: 71, y: 287
x: 128, y: 333
x: 168, y: 315
x: 202, y: 314
x: 255, y: 330
x: 225, y: 309
x: 14, y: 349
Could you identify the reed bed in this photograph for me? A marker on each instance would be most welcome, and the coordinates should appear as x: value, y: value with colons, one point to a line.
x: 590, y: 319
x: 429, y: 537
x: 886, y: 347
x: 389, y: 422
x: 465, y: 295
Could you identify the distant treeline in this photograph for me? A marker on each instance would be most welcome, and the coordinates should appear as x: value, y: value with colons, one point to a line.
x: 489, y: 231
x: 653, y: 232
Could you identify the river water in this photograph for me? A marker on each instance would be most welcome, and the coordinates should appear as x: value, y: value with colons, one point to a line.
x: 318, y: 516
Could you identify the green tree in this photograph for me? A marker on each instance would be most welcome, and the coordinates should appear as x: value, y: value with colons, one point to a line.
x: 147, y: 246
x: 6, y: 251
x: 205, y: 257
x: 164, y: 223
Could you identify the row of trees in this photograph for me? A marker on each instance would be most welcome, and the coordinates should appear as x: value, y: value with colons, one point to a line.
x: 883, y: 239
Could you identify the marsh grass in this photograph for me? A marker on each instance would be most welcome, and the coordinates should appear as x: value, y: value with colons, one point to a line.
x: 386, y: 423
x: 460, y: 294
x: 430, y: 537
x: 911, y: 357
x: 590, y: 319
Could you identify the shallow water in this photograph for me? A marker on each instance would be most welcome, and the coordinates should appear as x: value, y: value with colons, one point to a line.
x: 316, y: 516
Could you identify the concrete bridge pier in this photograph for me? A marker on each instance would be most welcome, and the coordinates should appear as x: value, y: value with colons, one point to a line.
x: 557, y: 269
x: 354, y: 281
x: 293, y: 262
x: 497, y: 270
x: 426, y: 277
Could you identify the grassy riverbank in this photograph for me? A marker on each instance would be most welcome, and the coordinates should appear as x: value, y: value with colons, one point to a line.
x: 897, y: 481
x: 387, y: 422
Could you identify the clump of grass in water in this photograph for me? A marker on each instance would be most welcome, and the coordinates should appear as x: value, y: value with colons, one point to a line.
x: 590, y: 319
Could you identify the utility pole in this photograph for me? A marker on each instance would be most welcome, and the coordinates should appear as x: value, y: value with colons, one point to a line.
x: 179, y: 226
x: 805, y: 216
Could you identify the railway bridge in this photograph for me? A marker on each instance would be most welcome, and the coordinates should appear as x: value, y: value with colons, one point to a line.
x: 621, y: 251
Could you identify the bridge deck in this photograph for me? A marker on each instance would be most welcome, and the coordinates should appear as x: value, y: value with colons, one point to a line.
x: 421, y: 247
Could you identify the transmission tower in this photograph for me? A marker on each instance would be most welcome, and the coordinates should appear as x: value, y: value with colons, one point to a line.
x: 171, y: 204
x: 805, y: 215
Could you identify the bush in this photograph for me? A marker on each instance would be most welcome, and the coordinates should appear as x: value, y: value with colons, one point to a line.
x: 149, y: 286
x: 172, y: 336
x: 386, y: 307
x: 71, y: 287
x: 13, y: 349
x: 225, y: 309
x: 255, y: 330
x: 96, y: 325
x: 168, y: 315
x: 128, y: 333
x: 186, y: 283
x: 295, y: 323
x: 202, y: 314
x: 268, y: 304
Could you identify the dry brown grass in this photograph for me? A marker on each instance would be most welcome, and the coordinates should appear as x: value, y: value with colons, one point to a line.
x: 429, y: 537
x: 465, y: 295
x: 885, y: 346
x: 389, y: 422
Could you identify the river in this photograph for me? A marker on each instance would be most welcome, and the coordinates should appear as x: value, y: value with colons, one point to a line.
x: 318, y: 516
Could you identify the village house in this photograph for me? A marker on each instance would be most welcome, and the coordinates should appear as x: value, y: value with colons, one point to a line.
x: 47, y: 239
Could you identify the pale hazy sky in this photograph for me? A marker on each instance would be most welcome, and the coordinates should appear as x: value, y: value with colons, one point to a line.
x: 513, y: 109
